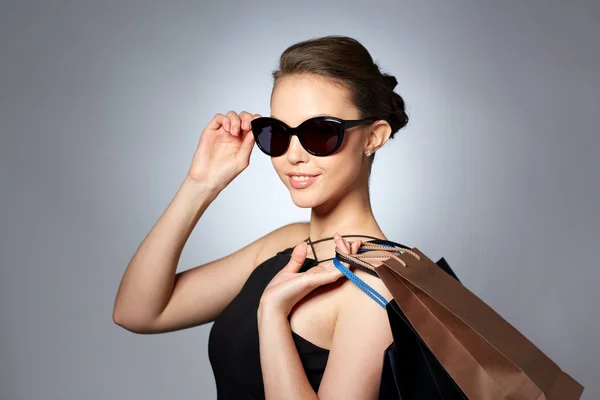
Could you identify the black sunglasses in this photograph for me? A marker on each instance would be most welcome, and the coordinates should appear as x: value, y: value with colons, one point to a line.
x: 320, y: 136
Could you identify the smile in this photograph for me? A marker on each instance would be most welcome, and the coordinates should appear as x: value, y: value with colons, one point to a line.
x: 302, y: 181
x: 301, y: 178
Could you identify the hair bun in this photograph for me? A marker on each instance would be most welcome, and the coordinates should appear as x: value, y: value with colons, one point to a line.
x: 390, y: 81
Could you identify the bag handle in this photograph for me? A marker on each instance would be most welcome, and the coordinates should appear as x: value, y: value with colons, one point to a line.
x: 364, y: 286
x: 368, y: 250
x: 373, y: 250
x: 311, y: 243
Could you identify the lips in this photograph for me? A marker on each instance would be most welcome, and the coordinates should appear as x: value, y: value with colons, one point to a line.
x: 301, y: 174
x: 301, y: 181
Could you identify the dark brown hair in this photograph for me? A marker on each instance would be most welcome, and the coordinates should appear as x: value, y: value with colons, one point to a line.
x: 348, y: 62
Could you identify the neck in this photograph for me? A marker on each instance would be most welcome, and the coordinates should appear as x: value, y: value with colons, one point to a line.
x: 350, y: 215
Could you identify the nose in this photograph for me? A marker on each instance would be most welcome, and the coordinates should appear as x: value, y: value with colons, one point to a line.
x: 296, y: 152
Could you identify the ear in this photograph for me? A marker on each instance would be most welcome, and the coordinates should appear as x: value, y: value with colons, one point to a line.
x: 377, y: 136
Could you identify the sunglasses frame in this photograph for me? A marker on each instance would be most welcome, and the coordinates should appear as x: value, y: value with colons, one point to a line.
x: 343, y: 124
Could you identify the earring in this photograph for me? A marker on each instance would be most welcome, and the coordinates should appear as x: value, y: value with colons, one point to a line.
x: 368, y: 153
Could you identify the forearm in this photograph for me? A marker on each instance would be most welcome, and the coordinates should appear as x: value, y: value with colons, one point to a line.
x: 282, y: 369
x: 147, y: 282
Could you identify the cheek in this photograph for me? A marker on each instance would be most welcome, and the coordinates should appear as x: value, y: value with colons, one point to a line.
x: 277, y: 165
x: 342, y: 169
x: 274, y: 162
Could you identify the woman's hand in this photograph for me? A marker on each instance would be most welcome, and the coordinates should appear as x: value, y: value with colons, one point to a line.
x: 289, y: 286
x: 223, y: 150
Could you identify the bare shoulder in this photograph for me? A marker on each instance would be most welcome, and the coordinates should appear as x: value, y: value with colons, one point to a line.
x: 360, y: 312
x: 282, y: 238
x: 362, y: 334
x: 352, y: 293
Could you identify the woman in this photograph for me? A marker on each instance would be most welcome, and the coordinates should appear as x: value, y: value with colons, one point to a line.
x: 286, y: 326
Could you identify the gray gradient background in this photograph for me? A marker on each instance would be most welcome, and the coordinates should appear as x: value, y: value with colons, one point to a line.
x: 101, y: 107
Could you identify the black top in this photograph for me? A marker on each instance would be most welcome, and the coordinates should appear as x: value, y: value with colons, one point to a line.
x: 233, y: 344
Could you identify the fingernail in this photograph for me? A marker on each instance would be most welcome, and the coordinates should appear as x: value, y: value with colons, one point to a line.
x: 336, y: 236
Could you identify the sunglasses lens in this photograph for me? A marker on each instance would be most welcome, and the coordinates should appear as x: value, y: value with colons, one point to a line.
x: 321, y: 136
x: 271, y: 136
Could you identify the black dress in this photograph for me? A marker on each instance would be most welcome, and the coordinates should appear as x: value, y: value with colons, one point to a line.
x: 233, y: 345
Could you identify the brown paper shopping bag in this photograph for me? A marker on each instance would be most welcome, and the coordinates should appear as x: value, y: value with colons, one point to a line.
x: 485, y: 355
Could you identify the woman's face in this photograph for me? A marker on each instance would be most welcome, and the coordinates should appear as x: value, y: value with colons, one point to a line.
x: 297, y: 98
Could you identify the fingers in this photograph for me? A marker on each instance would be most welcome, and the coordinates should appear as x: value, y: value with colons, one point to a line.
x: 344, y: 246
x: 354, y: 246
x: 232, y: 122
x: 248, y: 137
x: 248, y: 144
x: 324, y: 274
x: 297, y: 258
x: 240, y: 123
x: 221, y: 121
x: 217, y: 121
x: 245, y: 118
x: 340, y: 243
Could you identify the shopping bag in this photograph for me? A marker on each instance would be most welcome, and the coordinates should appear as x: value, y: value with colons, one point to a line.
x: 481, y: 352
x: 410, y: 371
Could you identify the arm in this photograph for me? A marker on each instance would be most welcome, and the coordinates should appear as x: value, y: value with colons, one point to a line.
x: 362, y: 333
x: 153, y: 299
x: 147, y: 283
x: 361, y: 336
x: 282, y: 369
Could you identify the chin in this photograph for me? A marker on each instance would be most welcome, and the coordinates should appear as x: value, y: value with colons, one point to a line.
x: 304, y: 200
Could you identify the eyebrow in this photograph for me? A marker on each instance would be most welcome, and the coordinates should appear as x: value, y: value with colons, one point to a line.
x: 314, y: 116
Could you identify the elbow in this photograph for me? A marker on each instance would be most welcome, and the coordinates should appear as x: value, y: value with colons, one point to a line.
x: 131, y: 324
x: 119, y: 320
